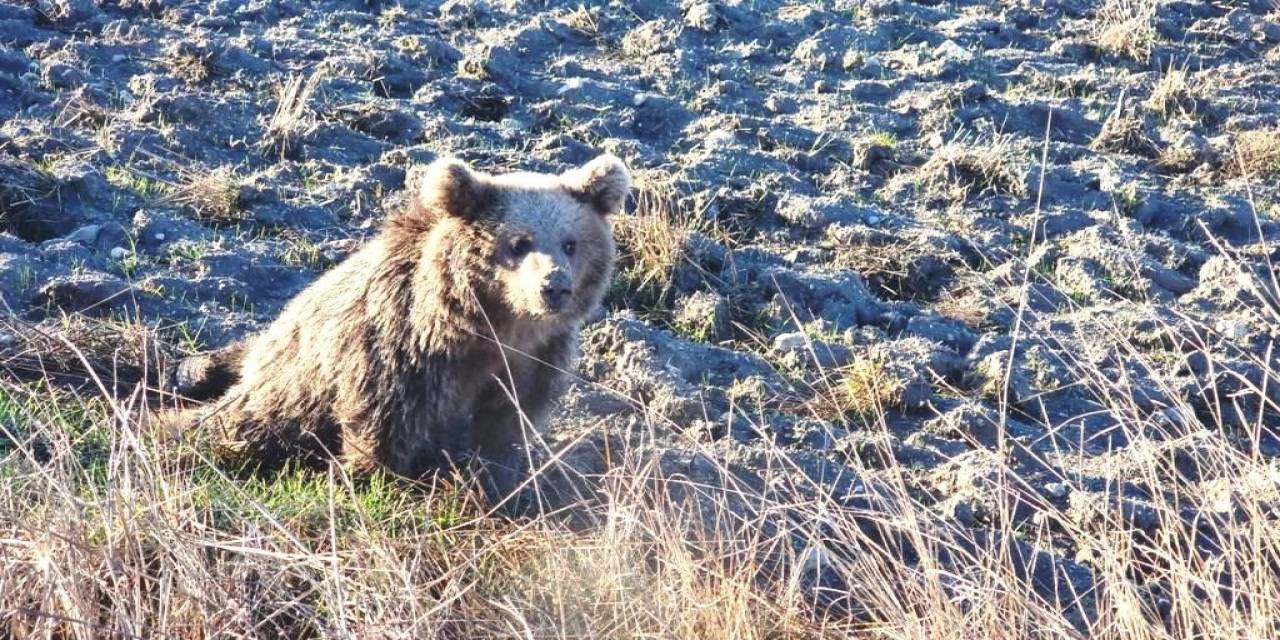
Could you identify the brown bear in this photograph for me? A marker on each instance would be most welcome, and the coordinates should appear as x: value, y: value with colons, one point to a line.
x: 450, y: 331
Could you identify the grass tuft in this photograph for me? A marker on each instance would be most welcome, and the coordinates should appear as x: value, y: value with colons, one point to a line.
x: 293, y: 118
x: 653, y: 243
x: 962, y: 168
x: 1126, y: 28
x: 1257, y: 153
x: 212, y: 195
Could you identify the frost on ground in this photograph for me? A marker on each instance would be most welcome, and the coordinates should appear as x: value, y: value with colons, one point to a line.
x: 932, y: 319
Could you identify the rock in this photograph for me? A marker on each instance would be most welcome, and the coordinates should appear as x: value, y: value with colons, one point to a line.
x: 949, y: 51
x: 85, y: 293
x: 947, y: 331
x: 393, y: 125
x: 840, y: 298
x: 679, y: 380
x: 703, y: 317
x: 703, y: 16
x: 970, y: 421
x: 790, y: 342
x: 817, y: 214
x: 797, y: 348
x: 1186, y: 152
x: 86, y: 235
x: 1232, y: 329
x: 157, y: 228
x: 68, y: 12
x: 62, y: 76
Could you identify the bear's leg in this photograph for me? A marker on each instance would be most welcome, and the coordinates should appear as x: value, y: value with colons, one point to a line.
x: 264, y: 444
x: 359, y: 453
x: 522, y: 397
x: 206, y: 376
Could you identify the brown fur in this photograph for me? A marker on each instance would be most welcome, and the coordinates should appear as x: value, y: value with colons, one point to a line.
x: 392, y: 359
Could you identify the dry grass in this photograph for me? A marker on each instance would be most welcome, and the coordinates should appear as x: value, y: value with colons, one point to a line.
x: 647, y: 39
x: 863, y: 389
x: 293, y: 117
x: 1177, y: 94
x: 1125, y: 131
x: 23, y: 185
x: 586, y: 21
x: 71, y: 350
x: 967, y: 167
x: 188, y: 62
x: 1126, y: 28
x: 107, y: 529
x: 652, y: 241
x: 1257, y: 153
x: 212, y: 195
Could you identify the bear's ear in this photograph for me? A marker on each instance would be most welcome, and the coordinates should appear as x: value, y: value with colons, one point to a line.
x: 448, y: 186
x: 603, y: 183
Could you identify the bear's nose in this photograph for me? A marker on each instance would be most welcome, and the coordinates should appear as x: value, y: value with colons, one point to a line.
x: 556, y: 296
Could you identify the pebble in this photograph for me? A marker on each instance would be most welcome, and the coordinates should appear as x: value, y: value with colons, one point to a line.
x: 718, y: 139
x: 639, y: 99
x: 949, y: 50
x: 1232, y: 329
x: 84, y: 235
x: 572, y: 84
x: 119, y: 253
x: 788, y: 342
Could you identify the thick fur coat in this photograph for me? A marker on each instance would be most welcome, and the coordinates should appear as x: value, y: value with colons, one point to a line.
x: 448, y: 333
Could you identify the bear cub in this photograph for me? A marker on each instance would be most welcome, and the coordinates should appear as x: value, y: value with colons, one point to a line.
x: 450, y: 332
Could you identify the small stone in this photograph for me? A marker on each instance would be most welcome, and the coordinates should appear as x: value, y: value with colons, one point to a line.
x: 950, y: 51
x: 703, y: 317
x: 790, y: 342
x: 702, y: 16
x: 572, y: 84
x: 963, y: 512
x: 62, y: 76
x: 119, y: 253
x: 1057, y: 489
x: 159, y: 237
x: 851, y: 59
x: 718, y: 140
x: 780, y: 104
x: 1232, y: 329
x: 85, y: 235
x: 511, y: 125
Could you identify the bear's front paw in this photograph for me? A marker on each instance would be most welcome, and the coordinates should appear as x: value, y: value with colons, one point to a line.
x: 503, y: 473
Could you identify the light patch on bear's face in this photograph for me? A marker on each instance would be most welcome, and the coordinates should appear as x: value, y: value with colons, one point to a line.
x: 547, y: 245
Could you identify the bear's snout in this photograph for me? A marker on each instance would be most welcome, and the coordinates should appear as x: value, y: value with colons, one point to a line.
x: 557, y: 289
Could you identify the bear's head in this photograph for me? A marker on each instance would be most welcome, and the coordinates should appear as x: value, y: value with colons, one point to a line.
x: 543, y: 242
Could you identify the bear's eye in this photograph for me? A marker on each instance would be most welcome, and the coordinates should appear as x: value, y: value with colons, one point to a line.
x: 569, y: 247
x: 521, y: 246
